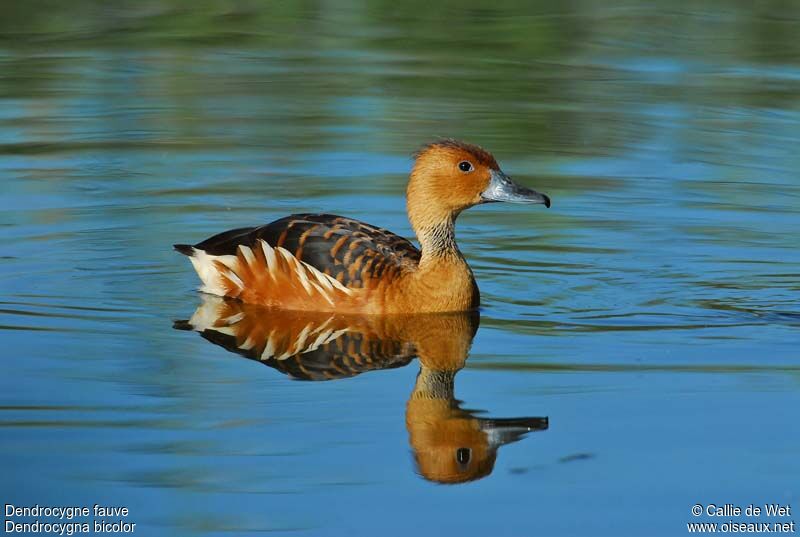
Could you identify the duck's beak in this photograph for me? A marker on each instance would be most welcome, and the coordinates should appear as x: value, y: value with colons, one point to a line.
x: 502, y: 188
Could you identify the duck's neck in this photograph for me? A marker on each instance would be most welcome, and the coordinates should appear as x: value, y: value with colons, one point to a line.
x: 437, y: 240
x: 443, y: 281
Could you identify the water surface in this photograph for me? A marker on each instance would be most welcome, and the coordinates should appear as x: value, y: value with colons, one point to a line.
x: 651, y: 315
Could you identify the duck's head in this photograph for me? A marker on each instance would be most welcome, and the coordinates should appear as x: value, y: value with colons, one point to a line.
x: 450, y: 176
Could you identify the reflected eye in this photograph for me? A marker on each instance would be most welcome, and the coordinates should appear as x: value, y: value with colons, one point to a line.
x: 463, y: 455
x: 465, y: 166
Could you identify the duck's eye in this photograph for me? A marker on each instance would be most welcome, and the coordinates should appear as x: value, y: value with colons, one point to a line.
x: 463, y: 455
x: 465, y: 166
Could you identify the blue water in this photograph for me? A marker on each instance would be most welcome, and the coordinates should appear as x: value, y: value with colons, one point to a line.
x: 651, y: 314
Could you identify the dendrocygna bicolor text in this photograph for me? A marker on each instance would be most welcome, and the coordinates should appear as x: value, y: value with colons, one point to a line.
x: 322, y: 262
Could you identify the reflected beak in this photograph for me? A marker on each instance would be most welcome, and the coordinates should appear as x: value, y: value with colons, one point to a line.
x: 506, y: 430
x: 502, y: 188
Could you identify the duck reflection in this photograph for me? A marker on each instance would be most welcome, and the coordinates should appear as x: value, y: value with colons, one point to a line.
x: 450, y: 444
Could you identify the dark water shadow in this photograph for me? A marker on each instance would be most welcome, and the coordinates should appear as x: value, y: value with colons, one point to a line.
x: 450, y: 444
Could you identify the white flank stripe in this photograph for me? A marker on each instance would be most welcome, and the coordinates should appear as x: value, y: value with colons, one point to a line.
x: 285, y: 355
x: 300, y: 340
x: 336, y: 335
x: 321, y: 340
x: 337, y: 284
x: 206, y: 315
x: 269, y: 255
x: 324, y: 325
x: 247, y: 253
x: 302, y: 270
x: 286, y: 254
x: 230, y: 261
x: 328, y: 281
x: 323, y: 293
x: 301, y: 275
x: 322, y: 277
x: 233, y: 319
x: 235, y: 279
x: 248, y: 344
x: 269, y: 348
x: 208, y: 272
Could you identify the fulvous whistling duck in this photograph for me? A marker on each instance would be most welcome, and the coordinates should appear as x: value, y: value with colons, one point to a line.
x: 450, y: 444
x: 322, y: 262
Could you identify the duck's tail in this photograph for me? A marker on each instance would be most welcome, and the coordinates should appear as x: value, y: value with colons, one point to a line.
x: 264, y: 275
x: 185, y: 249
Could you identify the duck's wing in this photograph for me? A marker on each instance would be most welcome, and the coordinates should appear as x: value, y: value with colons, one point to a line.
x: 349, y: 252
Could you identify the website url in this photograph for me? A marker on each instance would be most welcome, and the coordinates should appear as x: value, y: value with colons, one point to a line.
x: 740, y: 527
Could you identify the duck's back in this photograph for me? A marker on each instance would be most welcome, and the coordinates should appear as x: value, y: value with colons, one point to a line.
x: 303, y: 261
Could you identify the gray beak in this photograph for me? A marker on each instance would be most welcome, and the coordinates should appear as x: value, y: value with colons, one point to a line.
x: 502, y: 188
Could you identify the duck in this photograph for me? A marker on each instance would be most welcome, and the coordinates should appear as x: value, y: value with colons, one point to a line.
x: 449, y: 444
x: 325, y: 262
